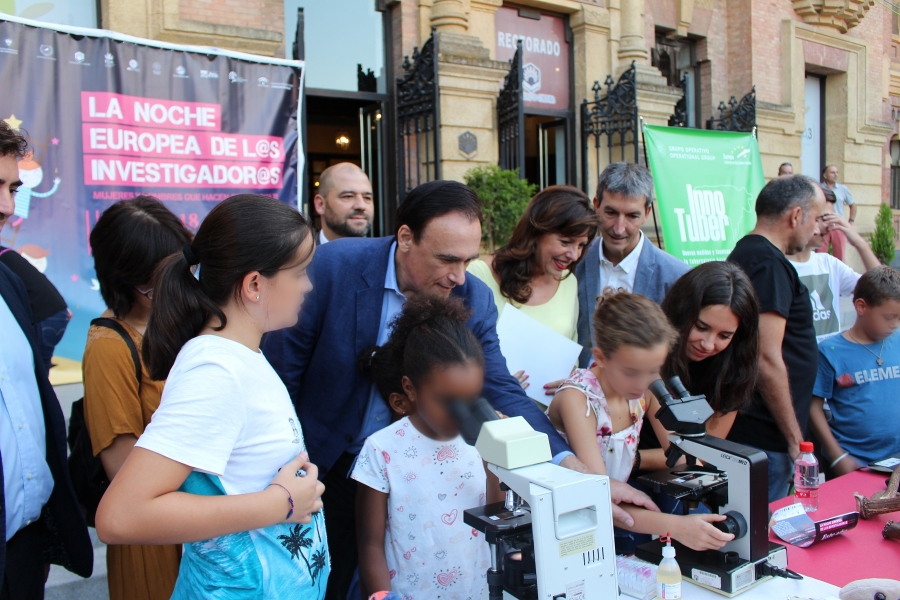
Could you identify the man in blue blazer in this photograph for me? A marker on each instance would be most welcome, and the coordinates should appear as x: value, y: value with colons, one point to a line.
x: 621, y: 257
x: 359, y: 286
x: 40, y: 521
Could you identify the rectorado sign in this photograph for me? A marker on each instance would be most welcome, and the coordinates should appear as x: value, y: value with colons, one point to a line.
x: 545, y: 60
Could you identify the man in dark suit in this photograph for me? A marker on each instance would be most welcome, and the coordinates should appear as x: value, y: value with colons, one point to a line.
x: 359, y: 286
x: 41, y: 521
x: 621, y: 257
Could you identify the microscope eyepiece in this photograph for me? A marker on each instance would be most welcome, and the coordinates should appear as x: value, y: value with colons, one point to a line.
x: 662, y: 394
x: 684, y: 415
x: 470, y: 417
x: 676, y: 386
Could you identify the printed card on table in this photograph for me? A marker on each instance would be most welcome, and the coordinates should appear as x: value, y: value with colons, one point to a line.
x: 794, y: 525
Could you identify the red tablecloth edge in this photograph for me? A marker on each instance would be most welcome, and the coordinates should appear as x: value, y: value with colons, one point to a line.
x: 860, y: 553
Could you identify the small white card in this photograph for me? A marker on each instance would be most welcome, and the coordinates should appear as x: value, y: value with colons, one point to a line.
x: 530, y: 346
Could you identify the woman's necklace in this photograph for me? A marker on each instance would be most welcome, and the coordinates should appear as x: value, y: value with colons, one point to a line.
x: 877, y: 356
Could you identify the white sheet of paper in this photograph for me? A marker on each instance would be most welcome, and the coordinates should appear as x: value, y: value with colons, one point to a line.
x: 531, y: 346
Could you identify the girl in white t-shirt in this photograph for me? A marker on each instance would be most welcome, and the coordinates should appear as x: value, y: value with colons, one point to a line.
x: 418, y: 475
x: 222, y: 467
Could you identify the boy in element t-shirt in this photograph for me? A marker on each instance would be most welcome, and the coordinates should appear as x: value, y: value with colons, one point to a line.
x: 859, y: 376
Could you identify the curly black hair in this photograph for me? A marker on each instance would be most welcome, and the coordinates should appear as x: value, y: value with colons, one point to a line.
x: 430, y: 332
x: 11, y: 142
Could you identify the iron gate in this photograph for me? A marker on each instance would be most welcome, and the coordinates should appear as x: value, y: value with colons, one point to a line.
x: 737, y: 116
x: 418, y: 126
x: 614, y: 117
x: 511, y: 117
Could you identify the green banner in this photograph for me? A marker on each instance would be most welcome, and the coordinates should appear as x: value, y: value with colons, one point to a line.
x: 706, y: 186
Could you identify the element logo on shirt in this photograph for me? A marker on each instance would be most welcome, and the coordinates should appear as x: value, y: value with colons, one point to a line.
x: 296, y: 439
x: 821, y: 297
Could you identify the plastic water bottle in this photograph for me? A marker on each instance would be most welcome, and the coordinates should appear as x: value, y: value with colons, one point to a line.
x: 806, y: 478
x: 668, y: 575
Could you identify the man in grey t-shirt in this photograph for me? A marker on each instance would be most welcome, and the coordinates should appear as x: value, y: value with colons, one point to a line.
x: 836, y: 239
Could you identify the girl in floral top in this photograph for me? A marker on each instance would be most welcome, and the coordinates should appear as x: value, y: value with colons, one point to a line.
x: 600, y: 410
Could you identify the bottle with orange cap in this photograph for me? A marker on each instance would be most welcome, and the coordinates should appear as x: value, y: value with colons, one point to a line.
x: 668, y: 574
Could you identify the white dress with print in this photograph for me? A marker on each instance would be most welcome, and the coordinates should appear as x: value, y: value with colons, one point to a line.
x: 431, y: 553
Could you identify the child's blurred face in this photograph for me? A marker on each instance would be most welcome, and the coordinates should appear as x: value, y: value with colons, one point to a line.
x: 879, y: 321
x: 432, y: 397
x: 630, y: 370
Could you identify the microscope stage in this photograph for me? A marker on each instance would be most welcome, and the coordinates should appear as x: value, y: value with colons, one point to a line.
x: 495, y: 521
x: 695, y: 483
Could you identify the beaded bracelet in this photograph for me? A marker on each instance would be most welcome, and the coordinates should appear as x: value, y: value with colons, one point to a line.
x: 290, y: 499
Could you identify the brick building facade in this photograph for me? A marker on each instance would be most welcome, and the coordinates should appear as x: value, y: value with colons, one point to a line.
x: 835, y: 60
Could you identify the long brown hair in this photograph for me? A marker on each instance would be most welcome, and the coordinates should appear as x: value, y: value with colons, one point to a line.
x: 560, y: 209
x: 728, y: 378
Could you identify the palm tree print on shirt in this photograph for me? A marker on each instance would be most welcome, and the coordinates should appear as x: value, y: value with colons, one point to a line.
x: 299, y: 539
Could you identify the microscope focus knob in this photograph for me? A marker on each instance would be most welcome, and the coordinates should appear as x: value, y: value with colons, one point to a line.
x: 734, y: 523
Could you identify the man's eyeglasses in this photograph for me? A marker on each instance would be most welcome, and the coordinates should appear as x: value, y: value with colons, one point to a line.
x: 147, y: 293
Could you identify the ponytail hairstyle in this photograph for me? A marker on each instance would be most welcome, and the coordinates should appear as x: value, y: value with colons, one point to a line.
x: 244, y: 233
x: 728, y: 378
x: 625, y: 319
x: 559, y: 209
x: 431, y: 332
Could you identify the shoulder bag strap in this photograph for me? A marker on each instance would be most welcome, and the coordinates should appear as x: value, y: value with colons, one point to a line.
x: 117, y: 327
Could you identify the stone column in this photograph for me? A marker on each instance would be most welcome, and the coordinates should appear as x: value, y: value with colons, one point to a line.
x: 631, y: 45
x: 449, y: 16
x: 656, y: 100
x: 468, y: 85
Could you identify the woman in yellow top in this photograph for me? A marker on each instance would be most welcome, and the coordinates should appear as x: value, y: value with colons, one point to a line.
x: 129, y: 240
x: 534, y: 271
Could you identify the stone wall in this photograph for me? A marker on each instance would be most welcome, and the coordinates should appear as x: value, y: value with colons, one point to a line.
x: 255, y: 26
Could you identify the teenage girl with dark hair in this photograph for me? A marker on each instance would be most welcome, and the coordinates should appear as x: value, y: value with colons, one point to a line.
x: 714, y: 310
x: 222, y: 467
x: 418, y: 475
x: 128, y: 242
x: 533, y: 271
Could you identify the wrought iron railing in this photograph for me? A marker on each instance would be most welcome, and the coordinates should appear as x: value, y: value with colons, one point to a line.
x: 614, y: 117
x: 737, y: 115
x: 418, y: 129
x: 511, y: 117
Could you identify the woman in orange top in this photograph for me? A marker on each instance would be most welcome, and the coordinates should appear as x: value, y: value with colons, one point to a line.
x: 129, y: 240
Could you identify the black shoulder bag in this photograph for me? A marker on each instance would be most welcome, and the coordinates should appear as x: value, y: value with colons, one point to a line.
x: 86, y: 471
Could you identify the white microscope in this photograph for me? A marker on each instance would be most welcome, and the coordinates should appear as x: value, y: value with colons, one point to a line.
x: 553, y: 536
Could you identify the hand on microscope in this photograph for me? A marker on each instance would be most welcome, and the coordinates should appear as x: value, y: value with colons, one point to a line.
x: 697, y: 532
x: 620, y: 492
x: 694, y: 531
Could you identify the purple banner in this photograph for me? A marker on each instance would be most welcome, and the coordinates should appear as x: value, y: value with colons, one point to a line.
x: 109, y: 118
